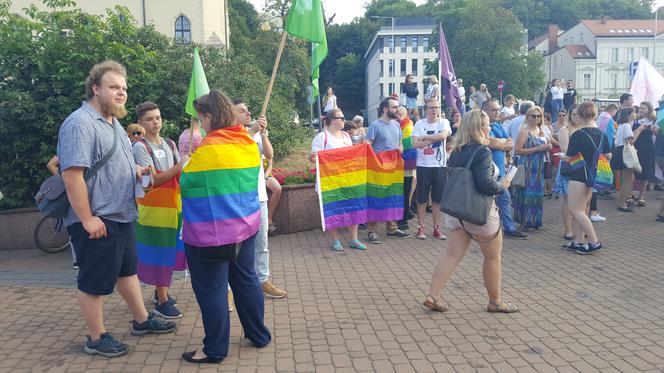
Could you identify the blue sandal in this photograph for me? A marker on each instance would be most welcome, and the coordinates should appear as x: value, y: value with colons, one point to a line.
x: 336, y: 246
x: 356, y: 244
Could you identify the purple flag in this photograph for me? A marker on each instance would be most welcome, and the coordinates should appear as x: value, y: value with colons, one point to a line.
x: 448, y: 79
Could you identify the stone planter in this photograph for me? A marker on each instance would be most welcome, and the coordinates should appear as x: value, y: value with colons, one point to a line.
x: 17, y: 228
x: 298, y: 209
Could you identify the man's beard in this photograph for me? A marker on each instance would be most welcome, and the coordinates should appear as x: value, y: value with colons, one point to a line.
x: 112, y: 109
x: 392, y: 115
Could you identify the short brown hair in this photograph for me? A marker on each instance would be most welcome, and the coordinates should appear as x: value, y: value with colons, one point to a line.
x: 219, y: 106
x: 587, y: 110
x: 144, y: 107
x: 97, y: 72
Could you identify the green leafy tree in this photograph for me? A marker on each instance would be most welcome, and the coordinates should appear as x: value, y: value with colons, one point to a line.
x: 45, y: 57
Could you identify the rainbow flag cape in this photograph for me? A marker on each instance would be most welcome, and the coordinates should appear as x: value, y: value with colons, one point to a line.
x: 409, y: 153
x: 357, y: 186
x: 159, y: 249
x: 220, y: 189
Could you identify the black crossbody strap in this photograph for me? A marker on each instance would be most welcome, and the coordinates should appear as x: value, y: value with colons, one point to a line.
x: 103, y: 161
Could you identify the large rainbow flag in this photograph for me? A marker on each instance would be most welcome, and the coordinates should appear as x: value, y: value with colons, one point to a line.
x: 220, y: 189
x: 159, y: 248
x: 357, y: 186
x: 409, y: 153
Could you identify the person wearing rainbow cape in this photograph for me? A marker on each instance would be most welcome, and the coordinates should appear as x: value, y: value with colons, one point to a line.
x: 159, y: 248
x: 220, y: 219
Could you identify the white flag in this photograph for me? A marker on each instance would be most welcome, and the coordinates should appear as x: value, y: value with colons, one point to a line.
x: 648, y: 84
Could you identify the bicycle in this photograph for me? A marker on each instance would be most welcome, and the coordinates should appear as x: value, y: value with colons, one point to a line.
x: 50, y: 235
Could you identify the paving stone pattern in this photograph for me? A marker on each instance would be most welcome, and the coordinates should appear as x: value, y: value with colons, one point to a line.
x: 359, y: 311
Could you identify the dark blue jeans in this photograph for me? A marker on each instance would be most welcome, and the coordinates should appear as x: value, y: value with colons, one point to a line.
x: 210, y: 282
x: 504, y: 202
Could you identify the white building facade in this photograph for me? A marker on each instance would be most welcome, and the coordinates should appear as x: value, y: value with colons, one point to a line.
x: 199, y: 21
x: 597, y: 54
x: 387, y: 64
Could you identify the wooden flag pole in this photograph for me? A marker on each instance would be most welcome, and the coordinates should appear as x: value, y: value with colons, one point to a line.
x: 274, y: 72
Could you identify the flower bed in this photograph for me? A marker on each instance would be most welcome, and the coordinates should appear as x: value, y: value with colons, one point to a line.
x: 294, y: 177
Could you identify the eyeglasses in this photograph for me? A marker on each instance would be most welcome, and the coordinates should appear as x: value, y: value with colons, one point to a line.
x: 535, y: 116
x: 338, y: 118
x: 137, y: 133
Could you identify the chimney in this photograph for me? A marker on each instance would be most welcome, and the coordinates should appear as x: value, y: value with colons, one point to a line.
x: 553, y: 38
x: 603, y: 20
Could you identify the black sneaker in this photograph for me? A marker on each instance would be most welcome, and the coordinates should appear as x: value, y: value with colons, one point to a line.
x: 152, y: 325
x: 106, y: 345
x: 517, y: 235
x: 74, y: 265
x: 362, y: 226
x: 170, y: 300
x: 399, y: 234
x: 408, y: 215
x: 571, y: 246
x: 403, y: 225
x: 587, y: 249
x: 167, y: 311
x: 373, y: 238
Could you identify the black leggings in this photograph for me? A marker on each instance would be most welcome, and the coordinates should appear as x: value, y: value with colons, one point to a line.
x: 407, y: 185
x: 593, y: 202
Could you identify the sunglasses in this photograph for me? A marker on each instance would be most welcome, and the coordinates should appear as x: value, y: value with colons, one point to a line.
x: 535, y: 116
x: 137, y: 133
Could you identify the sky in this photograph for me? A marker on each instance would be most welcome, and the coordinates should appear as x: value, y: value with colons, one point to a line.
x: 346, y: 10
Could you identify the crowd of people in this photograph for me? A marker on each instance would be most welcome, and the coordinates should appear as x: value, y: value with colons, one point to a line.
x: 125, y: 224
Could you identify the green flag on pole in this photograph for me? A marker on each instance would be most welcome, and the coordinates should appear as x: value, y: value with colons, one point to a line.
x: 305, y: 21
x: 198, y: 85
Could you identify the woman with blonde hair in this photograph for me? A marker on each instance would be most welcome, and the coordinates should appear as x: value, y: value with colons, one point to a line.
x: 433, y: 90
x: 645, y: 149
x: 135, y: 132
x: 471, y: 141
x: 531, y: 146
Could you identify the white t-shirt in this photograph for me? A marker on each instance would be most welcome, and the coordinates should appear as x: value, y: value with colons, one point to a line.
x: 431, y: 91
x: 325, y: 141
x: 558, y: 93
x: 515, y: 127
x: 433, y: 155
x: 507, y: 111
x: 624, y: 133
x: 262, y: 190
x: 330, y: 103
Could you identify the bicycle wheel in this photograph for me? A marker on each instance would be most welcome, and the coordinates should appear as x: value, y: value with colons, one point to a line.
x: 48, y: 238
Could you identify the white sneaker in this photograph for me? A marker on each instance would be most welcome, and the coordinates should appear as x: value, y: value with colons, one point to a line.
x: 597, y: 218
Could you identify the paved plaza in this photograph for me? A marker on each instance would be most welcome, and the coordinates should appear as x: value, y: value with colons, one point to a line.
x: 361, y: 311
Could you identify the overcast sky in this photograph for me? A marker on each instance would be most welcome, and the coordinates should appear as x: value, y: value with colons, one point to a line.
x: 346, y: 10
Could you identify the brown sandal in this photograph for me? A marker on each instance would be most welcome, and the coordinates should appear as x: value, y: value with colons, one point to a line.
x: 436, y: 305
x: 502, y: 307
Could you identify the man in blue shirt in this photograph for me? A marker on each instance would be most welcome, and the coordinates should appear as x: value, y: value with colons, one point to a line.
x: 499, y: 143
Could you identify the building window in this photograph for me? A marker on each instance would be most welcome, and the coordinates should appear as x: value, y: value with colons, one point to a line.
x: 182, y: 30
x: 391, y: 68
x: 401, y: 87
x: 644, y: 52
x: 382, y: 68
x: 581, y: 38
x: 613, y: 80
x: 413, y: 43
x: 586, y: 81
x: 392, y: 44
x: 390, y: 89
x: 402, y: 43
x: 629, y: 54
x: 381, y: 96
x: 381, y: 45
x: 614, y: 54
x: 425, y: 43
x: 414, y: 67
x: 403, y: 67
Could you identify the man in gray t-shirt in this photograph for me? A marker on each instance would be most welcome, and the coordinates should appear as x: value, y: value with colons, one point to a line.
x: 103, y: 209
x: 385, y: 134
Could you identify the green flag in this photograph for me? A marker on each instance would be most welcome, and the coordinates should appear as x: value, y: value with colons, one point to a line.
x: 198, y: 85
x: 305, y: 21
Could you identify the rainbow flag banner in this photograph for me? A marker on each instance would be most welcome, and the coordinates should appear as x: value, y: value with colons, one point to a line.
x: 220, y: 189
x: 357, y: 186
x: 409, y: 153
x: 159, y: 249
x: 577, y: 162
